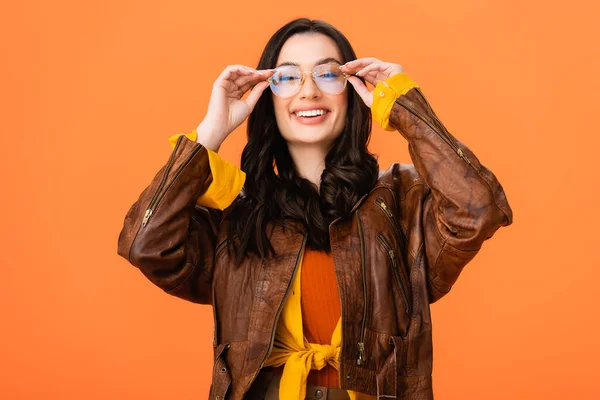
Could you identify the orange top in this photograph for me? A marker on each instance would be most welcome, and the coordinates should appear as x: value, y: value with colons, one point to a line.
x: 320, y: 309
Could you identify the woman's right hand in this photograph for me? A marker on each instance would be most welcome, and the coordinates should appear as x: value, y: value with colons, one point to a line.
x: 226, y: 109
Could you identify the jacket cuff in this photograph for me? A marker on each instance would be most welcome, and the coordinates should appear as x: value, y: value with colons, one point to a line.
x: 227, y: 179
x: 385, y: 94
x: 227, y: 183
x: 192, y: 136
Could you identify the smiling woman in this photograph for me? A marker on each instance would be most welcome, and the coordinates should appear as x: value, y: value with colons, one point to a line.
x: 309, y: 139
x: 320, y: 267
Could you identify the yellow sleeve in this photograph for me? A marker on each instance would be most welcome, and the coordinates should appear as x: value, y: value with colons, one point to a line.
x: 227, y: 182
x: 385, y: 94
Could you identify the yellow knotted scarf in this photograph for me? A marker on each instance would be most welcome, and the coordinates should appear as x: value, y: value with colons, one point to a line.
x: 299, y: 356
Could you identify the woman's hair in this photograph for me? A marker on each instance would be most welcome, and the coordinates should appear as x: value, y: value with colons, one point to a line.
x: 269, y: 197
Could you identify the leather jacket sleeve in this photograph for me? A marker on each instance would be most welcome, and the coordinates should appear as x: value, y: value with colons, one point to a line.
x: 460, y: 202
x: 167, y: 235
x: 227, y: 179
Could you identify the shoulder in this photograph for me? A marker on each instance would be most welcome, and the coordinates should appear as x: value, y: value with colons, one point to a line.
x: 401, y: 178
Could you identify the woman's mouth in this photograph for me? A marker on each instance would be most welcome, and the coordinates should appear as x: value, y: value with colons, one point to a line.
x: 311, y: 117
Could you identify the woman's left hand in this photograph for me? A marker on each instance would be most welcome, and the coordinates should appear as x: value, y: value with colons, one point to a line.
x: 373, y: 71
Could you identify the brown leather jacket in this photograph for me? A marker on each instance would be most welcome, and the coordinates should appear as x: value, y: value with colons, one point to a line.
x: 402, y: 249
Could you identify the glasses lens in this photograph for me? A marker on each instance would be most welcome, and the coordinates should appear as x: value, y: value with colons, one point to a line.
x: 286, y: 80
x: 330, y: 78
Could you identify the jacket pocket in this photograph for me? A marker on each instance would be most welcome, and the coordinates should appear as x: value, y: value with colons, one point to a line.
x: 387, y: 378
x: 388, y: 213
x: 221, y: 378
x: 400, y: 275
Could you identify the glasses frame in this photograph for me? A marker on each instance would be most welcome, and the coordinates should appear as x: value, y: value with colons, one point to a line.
x: 313, y: 76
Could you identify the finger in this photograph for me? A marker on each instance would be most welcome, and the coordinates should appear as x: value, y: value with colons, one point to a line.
x: 237, y: 86
x: 255, y: 94
x: 263, y: 71
x: 370, y: 73
x: 232, y: 72
x: 241, y: 90
x: 254, y: 78
x: 358, y: 64
x: 361, y: 61
x: 248, y: 79
x: 369, y: 68
x: 364, y: 93
x: 371, y: 77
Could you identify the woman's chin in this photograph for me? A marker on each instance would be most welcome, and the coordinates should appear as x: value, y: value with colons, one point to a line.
x: 311, y: 136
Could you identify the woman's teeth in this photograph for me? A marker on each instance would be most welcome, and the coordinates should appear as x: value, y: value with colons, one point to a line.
x: 310, y: 113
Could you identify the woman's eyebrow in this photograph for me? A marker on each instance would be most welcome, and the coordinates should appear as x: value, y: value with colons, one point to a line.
x: 323, y: 61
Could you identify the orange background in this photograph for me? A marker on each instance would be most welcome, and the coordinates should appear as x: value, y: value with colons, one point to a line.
x: 90, y: 92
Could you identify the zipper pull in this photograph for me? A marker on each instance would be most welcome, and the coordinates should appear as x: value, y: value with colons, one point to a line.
x: 463, y: 156
x: 146, y: 216
x: 361, y: 353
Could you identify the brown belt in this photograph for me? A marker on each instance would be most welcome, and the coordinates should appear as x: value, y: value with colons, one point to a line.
x: 313, y: 392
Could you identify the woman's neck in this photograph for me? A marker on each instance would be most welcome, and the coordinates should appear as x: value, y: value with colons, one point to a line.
x: 309, y: 160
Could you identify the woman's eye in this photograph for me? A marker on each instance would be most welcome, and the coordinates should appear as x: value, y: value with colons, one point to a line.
x: 287, y: 78
x: 328, y: 75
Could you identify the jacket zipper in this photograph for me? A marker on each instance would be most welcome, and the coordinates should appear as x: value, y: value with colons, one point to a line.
x: 154, y: 203
x: 401, y: 280
x: 279, y: 310
x: 162, y: 182
x: 361, y: 344
x: 390, y: 216
x: 426, y: 102
x: 442, y: 135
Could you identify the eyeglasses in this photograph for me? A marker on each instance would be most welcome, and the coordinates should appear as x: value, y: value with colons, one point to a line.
x: 287, y: 80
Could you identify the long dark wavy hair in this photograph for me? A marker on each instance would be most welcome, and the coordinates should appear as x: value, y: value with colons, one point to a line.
x: 274, y: 197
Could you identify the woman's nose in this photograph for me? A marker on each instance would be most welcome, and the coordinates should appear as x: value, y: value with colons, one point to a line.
x: 309, y: 88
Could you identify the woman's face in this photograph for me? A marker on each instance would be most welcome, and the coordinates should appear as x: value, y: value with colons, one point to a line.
x: 307, y: 50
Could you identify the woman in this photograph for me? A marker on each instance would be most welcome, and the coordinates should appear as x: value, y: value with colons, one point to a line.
x: 320, y: 268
